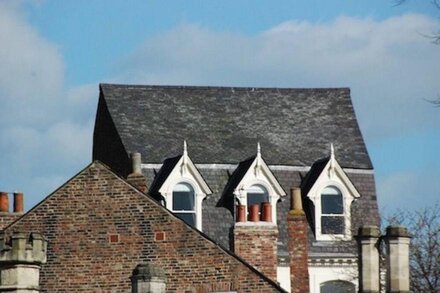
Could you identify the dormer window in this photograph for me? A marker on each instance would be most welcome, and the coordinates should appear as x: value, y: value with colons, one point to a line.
x: 183, y: 188
x: 332, y: 193
x: 332, y: 211
x: 184, y: 203
x: 254, y: 183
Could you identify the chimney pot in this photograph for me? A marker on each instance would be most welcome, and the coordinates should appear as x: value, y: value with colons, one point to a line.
x: 254, y: 213
x: 241, y: 213
x: 4, y: 202
x: 266, y: 214
x: 136, y: 178
x: 136, y: 163
x: 295, y: 200
x: 18, y: 202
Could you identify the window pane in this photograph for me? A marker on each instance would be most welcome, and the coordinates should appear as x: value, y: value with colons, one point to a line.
x: 331, y: 201
x: 332, y: 225
x: 253, y: 198
x: 183, y: 197
x: 338, y: 287
x: 189, y: 218
x: 257, y: 194
x: 183, y: 201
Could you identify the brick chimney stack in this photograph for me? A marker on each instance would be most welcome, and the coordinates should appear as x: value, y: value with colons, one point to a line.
x: 136, y: 178
x: 297, y: 230
x: 255, y: 240
x: 7, y: 217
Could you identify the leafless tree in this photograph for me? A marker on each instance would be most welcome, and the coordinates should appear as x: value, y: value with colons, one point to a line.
x: 433, y: 36
x: 424, y: 226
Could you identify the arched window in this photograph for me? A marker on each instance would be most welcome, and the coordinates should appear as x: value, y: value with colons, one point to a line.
x: 332, y: 211
x: 257, y: 194
x: 184, y: 203
x: 338, y: 286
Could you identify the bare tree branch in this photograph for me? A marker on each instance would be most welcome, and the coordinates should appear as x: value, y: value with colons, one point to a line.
x: 424, y: 226
x: 435, y: 102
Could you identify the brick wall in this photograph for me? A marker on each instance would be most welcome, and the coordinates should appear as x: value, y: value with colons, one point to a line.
x: 257, y: 244
x: 7, y: 218
x: 99, y: 228
x: 297, y: 229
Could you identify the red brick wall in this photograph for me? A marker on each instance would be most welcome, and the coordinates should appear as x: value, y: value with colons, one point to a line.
x: 8, y: 218
x: 99, y: 228
x: 257, y: 245
x: 297, y: 228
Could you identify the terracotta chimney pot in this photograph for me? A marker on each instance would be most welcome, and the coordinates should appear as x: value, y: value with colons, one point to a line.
x: 241, y: 213
x: 266, y: 215
x: 4, y: 202
x: 18, y: 202
x: 254, y: 213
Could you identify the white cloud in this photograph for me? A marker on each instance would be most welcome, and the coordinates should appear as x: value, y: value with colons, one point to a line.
x: 45, y: 129
x: 388, y: 64
x: 31, y: 71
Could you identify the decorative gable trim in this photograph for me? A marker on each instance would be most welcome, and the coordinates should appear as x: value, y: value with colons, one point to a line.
x: 332, y: 175
x: 185, y: 171
x: 259, y: 173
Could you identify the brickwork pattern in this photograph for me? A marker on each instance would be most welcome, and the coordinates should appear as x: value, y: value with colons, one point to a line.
x: 80, y: 221
x: 257, y: 245
x: 7, y: 218
x: 297, y: 245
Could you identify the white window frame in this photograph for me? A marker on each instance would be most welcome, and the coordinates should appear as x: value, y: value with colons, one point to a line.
x: 260, y: 174
x: 341, y: 215
x: 199, y: 196
x: 186, y: 172
x: 333, y: 175
x: 193, y: 211
x: 347, y: 199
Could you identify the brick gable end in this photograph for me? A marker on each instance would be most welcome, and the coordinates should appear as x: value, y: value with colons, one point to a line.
x: 99, y: 228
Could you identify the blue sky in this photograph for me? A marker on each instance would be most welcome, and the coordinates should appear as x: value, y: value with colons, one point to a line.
x: 53, y: 55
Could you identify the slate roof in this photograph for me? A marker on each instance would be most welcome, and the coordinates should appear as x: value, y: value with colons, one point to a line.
x: 238, y: 175
x: 218, y: 208
x: 224, y: 124
x: 167, y: 167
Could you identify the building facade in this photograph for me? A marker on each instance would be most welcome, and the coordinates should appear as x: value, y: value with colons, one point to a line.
x: 225, y: 160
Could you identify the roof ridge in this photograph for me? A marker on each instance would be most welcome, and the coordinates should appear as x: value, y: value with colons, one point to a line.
x: 198, y: 87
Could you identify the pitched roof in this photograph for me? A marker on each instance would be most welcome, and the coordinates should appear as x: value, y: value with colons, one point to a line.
x: 107, y: 184
x: 167, y: 167
x: 223, y: 124
x: 313, y: 175
x: 238, y: 174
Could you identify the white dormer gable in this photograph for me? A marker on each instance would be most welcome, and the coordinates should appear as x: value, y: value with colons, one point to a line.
x: 332, y: 194
x: 185, y: 180
x: 259, y: 178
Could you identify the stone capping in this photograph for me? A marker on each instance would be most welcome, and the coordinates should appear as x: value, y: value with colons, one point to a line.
x: 23, y: 248
x: 368, y: 231
x: 257, y: 225
x: 397, y: 231
x: 148, y: 271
